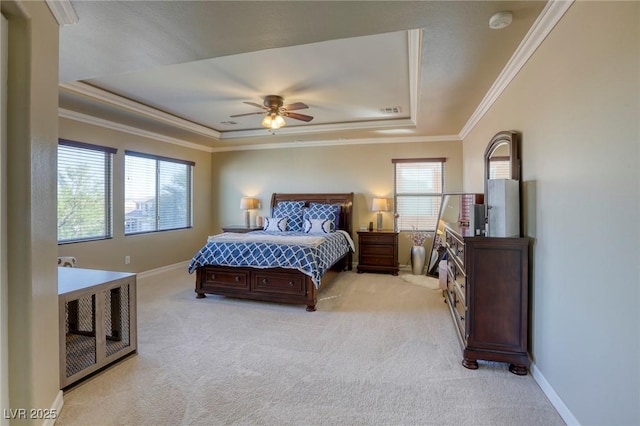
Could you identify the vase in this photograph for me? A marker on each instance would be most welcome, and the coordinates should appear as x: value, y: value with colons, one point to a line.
x: 418, y: 256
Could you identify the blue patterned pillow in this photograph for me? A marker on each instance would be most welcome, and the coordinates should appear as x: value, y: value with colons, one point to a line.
x: 292, y: 210
x: 324, y: 211
x: 317, y: 226
x: 275, y: 224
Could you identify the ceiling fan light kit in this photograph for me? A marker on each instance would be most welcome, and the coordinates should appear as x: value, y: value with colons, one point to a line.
x: 273, y: 121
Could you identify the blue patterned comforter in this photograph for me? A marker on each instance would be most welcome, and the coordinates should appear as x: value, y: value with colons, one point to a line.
x: 310, y: 254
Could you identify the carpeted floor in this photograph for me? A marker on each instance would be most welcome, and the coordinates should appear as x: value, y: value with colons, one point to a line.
x: 378, y: 351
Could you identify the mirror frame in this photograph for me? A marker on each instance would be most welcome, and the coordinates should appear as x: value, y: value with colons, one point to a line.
x: 512, y: 138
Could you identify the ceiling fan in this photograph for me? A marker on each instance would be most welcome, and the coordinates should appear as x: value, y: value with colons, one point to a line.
x: 273, y: 106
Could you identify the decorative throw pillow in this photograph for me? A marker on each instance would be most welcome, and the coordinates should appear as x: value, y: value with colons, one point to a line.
x: 317, y: 226
x: 275, y: 224
x: 324, y: 211
x: 292, y: 210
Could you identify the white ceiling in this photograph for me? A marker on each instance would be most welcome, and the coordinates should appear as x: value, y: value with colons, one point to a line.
x: 181, y: 68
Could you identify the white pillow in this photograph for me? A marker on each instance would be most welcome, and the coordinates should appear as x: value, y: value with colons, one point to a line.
x: 275, y: 224
x: 317, y: 226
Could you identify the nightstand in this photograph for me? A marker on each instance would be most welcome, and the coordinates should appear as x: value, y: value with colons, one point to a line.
x: 241, y: 229
x: 378, y: 251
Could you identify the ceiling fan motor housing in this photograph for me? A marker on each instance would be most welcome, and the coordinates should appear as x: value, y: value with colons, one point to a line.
x: 273, y: 102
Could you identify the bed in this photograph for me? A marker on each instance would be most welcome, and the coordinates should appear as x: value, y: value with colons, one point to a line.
x: 217, y: 273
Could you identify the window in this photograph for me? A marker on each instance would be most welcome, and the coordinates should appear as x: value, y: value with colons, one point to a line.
x: 157, y: 193
x: 419, y: 185
x: 84, y: 192
x: 499, y: 168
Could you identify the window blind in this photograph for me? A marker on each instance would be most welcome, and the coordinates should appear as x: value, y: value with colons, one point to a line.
x: 419, y: 185
x: 157, y: 193
x: 499, y: 168
x: 84, y: 191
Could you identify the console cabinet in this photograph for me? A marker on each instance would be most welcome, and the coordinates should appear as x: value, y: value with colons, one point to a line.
x: 487, y: 293
x: 97, y: 314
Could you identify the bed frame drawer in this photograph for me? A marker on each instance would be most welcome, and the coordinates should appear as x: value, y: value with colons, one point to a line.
x: 265, y: 282
x: 220, y: 278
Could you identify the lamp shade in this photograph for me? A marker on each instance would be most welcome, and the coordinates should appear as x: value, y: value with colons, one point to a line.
x: 379, y: 205
x: 247, y: 203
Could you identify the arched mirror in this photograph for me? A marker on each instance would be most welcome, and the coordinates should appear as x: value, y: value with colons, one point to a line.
x: 502, y: 161
x: 502, y: 157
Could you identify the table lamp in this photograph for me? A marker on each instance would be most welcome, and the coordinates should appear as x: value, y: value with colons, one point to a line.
x: 246, y: 204
x: 379, y: 205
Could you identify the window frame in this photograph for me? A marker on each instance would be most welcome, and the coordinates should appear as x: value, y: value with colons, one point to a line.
x: 189, y: 204
x: 109, y: 153
x: 437, y: 195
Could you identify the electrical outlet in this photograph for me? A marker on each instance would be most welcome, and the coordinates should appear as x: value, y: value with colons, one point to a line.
x: 127, y: 260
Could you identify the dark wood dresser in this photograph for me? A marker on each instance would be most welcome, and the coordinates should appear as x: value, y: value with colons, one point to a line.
x: 378, y: 251
x: 487, y: 292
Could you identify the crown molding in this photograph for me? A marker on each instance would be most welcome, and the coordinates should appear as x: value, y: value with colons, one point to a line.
x: 338, y: 142
x: 549, y: 17
x: 89, y: 119
x: 311, y: 128
x: 100, y: 122
x: 63, y: 11
x: 109, y: 98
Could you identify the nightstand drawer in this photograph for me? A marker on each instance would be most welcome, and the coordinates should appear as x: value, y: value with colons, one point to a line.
x: 378, y: 261
x: 377, y: 250
x: 375, y: 238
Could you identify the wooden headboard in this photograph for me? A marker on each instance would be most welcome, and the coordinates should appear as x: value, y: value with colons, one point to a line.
x: 345, y: 200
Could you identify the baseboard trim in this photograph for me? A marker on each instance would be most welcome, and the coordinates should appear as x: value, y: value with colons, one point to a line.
x: 56, y: 407
x: 555, y: 399
x: 163, y: 269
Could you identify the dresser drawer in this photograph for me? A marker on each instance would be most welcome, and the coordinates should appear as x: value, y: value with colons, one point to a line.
x: 225, y: 279
x: 375, y: 238
x: 455, y: 247
x: 461, y: 315
x: 458, y: 278
x: 277, y: 283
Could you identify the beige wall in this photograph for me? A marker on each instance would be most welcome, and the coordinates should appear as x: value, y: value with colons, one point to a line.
x: 31, y: 196
x: 365, y: 170
x: 576, y: 103
x: 147, y: 251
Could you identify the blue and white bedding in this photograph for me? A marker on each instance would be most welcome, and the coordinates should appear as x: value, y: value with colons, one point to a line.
x: 311, y: 254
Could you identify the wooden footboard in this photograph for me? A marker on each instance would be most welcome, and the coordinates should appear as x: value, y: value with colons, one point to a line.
x: 273, y: 285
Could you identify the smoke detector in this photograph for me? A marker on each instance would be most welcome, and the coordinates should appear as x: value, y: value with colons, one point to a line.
x: 500, y: 20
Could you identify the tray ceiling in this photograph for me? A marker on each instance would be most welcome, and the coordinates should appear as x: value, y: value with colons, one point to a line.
x: 366, y: 69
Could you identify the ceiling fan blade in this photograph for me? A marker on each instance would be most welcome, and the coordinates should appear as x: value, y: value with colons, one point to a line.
x: 255, y: 105
x: 249, y: 113
x: 295, y: 106
x: 296, y: 116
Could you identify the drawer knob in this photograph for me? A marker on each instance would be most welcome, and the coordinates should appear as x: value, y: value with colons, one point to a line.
x: 264, y: 281
x: 290, y: 283
x: 237, y: 278
x: 213, y: 276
